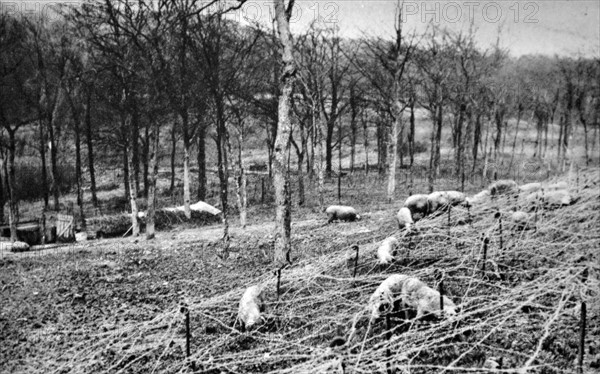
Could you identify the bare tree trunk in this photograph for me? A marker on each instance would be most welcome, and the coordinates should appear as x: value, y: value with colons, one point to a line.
x: 309, y: 152
x: 146, y: 159
x: 352, y: 142
x: 320, y: 163
x: 126, y: 170
x: 514, y: 143
x: 546, y: 126
x: 90, y: 147
x: 75, y: 114
x: 504, y: 132
x: 13, y: 210
x: 329, y: 147
x: 53, y: 165
x: 186, y: 165
x: 135, y: 226
x: 566, y: 136
x: 476, y: 140
x: 270, y: 151
x: 202, y: 162
x: 173, y: 152
x: 366, y: 143
x: 486, y: 153
x: 381, y: 147
x: 393, y: 156
x: 135, y: 146
x: 153, y: 141
x: 240, y: 179
x: 561, y: 127
x: 459, y: 140
x: 538, y: 138
x: 585, y: 138
x: 302, y: 156
x: 431, y: 172
x: 301, y: 189
x: 499, y: 116
x: 596, y: 125
x: 78, y: 176
x: 186, y: 180
x: 2, y: 196
x: 281, y: 182
x: 44, y: 172
x: 438, y: 139
x: 223, y: 170
x: 411, y: 134
x: 340, y: 136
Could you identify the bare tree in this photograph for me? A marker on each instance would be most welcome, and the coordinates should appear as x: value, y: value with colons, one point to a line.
x: 312, y: 74
x: 281, y: 179
x: 435, y: 68
x: 16, y: 97
x: 387, y: 80
x: 154, y: 157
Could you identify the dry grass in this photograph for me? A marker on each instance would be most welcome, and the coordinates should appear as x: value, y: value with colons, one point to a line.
x: 118, y: 310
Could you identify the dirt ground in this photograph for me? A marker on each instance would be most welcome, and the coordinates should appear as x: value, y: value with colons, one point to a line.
x: 115, y: 305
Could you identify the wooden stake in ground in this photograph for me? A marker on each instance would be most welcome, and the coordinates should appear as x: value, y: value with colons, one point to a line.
x: 469, y: 215
x: 440, y: 276
x: 486, y: 241
x: 499, y: 217
x: 449, y: 218
x: 581, y: 348
x: 278, y: 272
x: 388, y: 353
x: 185, y: 310
x: 355, y: 260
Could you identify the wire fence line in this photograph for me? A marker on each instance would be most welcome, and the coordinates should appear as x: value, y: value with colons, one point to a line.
x: 524, y: 308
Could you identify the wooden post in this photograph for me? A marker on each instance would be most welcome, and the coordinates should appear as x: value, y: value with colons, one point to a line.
x: 278, y: 282
x: 262, y: 196
x: 355, y: 261
x: 187, y: 333
x: 486, y: 241
x: 469, y: 215
x: 500, y: 229
x: 449, y: 217
x: 440, y: 276
x: 388, y: 353
x: 186, y: 312
x: 581, y: 347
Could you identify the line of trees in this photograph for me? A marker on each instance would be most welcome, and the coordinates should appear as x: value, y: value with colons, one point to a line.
x: 131, y: 78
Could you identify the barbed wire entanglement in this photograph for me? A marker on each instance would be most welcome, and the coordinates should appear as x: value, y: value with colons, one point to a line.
x: 520, y: 309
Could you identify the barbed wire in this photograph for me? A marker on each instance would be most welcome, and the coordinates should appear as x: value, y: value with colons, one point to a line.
x: 523, y: 308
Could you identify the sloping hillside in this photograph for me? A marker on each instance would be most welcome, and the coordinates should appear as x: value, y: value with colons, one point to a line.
x: 115, y: 305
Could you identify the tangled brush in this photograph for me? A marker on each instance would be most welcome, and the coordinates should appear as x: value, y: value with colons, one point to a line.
x: 520, y: 294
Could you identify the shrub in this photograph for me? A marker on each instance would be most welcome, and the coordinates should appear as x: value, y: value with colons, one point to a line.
x: 28, y: 184
x: 420, y: 147
x: 166, y: 219
x: 110, y: 226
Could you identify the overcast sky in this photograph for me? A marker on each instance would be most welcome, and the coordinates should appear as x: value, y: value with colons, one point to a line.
x: 525, y: 27
x: 561, y: 27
